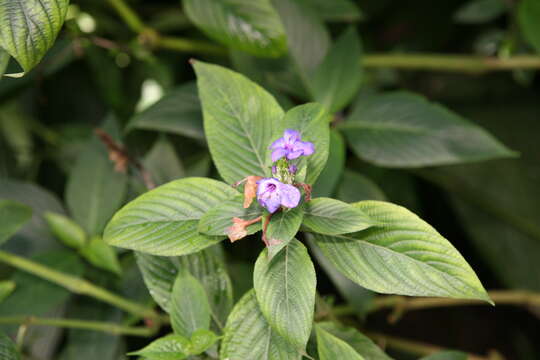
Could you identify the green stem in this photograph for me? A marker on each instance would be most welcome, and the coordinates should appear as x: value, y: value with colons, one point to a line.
x: 79, y: 286
x: 107, y: 327
x: 189, y: 46
x: 129, y: 16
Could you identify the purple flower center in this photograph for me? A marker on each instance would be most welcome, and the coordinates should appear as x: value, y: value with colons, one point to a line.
x: 272, y: 194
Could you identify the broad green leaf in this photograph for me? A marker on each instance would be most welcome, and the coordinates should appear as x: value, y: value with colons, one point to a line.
x: 360, y: 343
x: 446, y: 355
x: 218, y: 220
x: 94, y: 190
x: 312, y: 121
x: 249, y: 336
x: 164, y: 220
x: 333, y: 217
x: 163, y: 163
x: 479, y: 11
x: 170, y: 347
x: 403, y: 255
x: 329, y: 178
x: 528, y: 15
x: 282, y: 228
x: 178, y: 112
x: 285, y: 289
x: 240, y: 121
x: 159, y: 274
x: 6, y: 288
x: 356, y: 187
x: 335, y: 10
x: 337, y: 79
x: 101, y: 255
x: 8, y: 350
x: 4, y: 61
x: 251, y: 26
x: 201, y: 340
x: 190, y: 310
x: 13, y: 215
x: 30, y: 27
x: 405, y: 130
x: 65, y: 229
x: 331, y: 347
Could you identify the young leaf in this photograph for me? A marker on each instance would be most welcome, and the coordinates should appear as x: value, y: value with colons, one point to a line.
x: 479, y: 11
x: 202, y: 340
x: 13, y: 215
x: 285, y: 290
x: 401, y: 129
x: 65, y: 229
x: 282, y: 228
x: 331, y: 347
x: 8, y: 350
x: 170, y: 347
x: 337, y: 79
x: 101, y: 255
x: 330, y: 175
x: 528, y: 15
x: 178, y: 112
x: 218, y: 220
x: 249, y: 336
x: 6, y: 288
x: 251, y: 26
x: 29, y: 28
x: 312, y: 121
x: 403, y: 255
x: 163, y: 163
x: 164, y: 220
x: 190, y: 310
x: 333, y: 217
x: 240, y: 121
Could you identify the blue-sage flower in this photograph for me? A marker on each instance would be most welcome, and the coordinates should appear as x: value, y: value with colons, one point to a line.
x: 271, y: 194
x: 291, y: 146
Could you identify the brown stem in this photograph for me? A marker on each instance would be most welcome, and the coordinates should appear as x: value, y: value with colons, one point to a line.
x: 265, y: 227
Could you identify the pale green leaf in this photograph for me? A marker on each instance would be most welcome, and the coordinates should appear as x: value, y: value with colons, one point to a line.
x: 8, y: 350
x: 285, y: 289
x: 218, y: 220
x: 528, y: 15
x: 330, y: 347
x: 282, y: 228
x: 329, y: 178
x: 162, y: 162
x: 202, y: 340
x: 190, y: 310
x: 479, y: 11
x: 29, y: 28
x: 65, y: 229
x: 4, y: 61
x: 401, y: 129
x: 101, y: 255
x: 403, y: 255
x: 240, y: 121
x: 333, y: 217
x: 249, y: 336
x: 251, y: 26
x: 13, y: 215
x: 170, y: 347
x: 6, y: 288
x: 164, y: 220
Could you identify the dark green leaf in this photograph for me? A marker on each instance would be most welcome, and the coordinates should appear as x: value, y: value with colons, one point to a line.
x: 251, y: 26
x: 405, y: 130
x: 218, y: 220
x: 333, y: 217
x: 479, y: 11
x: 403, y: 255
x: 13, y: 215
x: 446, y: 355
x: 335, y: 10
x: 330, y: 347
x: 162, y: 162
x: 282, y: 229
x: 6, y: 288
x: 164, y: 220
x: 329, y: 177
x: 240, y: 121
x: 249, y: 336
x: 356, y: 187
x: 8, y: 350
x: 102, y: 255
x: 528, y: 15
x: 65, y: 229
x: 285, y: 289
x: 170, y: 347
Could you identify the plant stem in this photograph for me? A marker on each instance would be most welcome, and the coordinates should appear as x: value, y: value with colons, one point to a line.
x: 189, y: 46
x: 79, y: 286
x: 107, y: 327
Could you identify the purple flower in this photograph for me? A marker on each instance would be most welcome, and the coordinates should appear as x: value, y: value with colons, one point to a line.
x: 290, y: 146
x: 271, y: 194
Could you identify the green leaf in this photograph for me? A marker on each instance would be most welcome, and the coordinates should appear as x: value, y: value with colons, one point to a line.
x: 330, y: 347
x: 249, y: 336
x: 240, y: 121
x: 330, y: 175
x: 312, y: 121
x: 101, y: 255
x: 285, y: 289
x: 528, y: 14
x: 337, y: 79
x: 479, y: 11
x: 30, y: 27
x: 356, y: 187
x: 251, y: 26
x: 65, y: 229
x: 94, y: 190
x: 335, y: 10
x: 446, y: 355
x: 202, y: 340
x: 218, y: 220
x: 360, y: 343
x: 8, y: 350
x: 403, y: 255
x: 170, y: 347
x: 282, y: 228
x: 164, y: 220
x: 13, y: 215
x: 178, y: 112
x: 4, y: 61
x: 333, y: 217
x: 6, y: 288
x: 190, y: 310
x: 401, y: 129
x: 162, y: 162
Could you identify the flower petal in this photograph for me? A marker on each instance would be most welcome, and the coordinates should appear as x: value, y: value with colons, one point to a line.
x: 291, y: 136
x: 306, y: 147
x: 278, y: 154
x: 294, y: 154
x: 290, y: 196
x: 273, y: 203
x: 279, y: 143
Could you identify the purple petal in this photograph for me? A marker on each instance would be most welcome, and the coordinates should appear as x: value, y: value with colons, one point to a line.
x: 294, y: 154
x: 273, y: 203
x: 278, y: 154
x: 279, y: 143
x: 290, y: 196
x: 293, y: 169
x: 306, y: 147
x: 291, y: 136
